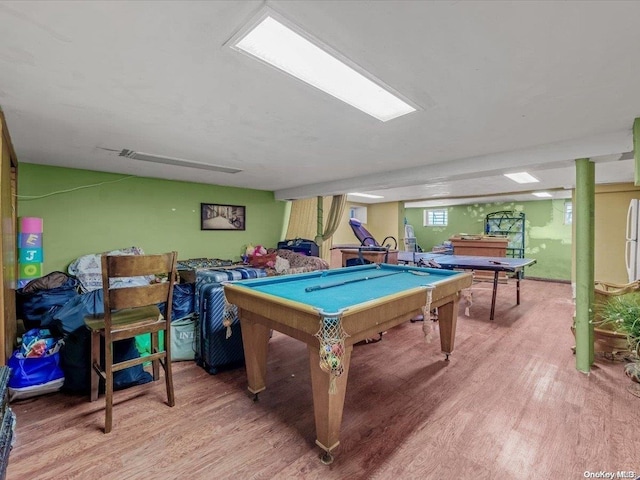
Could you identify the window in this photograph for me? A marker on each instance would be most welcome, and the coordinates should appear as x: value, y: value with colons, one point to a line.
x: 568, y: 213
x: 435, y: 218
x: 359, y: 213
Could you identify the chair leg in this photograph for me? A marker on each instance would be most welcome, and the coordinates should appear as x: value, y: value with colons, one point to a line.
x: 166, y: 364
x: 95, y: 361
x: 168, y: 376
x: 155, y: 364
x: 108, y: 364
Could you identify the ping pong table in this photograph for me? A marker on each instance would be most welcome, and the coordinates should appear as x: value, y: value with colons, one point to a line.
x: 469, y: 262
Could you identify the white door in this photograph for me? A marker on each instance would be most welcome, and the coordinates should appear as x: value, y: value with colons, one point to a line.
x: 631, y: 254
x: 632, y: 220
x: 631, y: 259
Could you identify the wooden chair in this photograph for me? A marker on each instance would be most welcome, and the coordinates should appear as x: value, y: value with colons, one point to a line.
x: 129, y: 312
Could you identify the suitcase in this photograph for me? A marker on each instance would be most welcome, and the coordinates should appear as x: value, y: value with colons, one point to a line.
x: 214, y: 351
x: 300, y: 245
x: 217, y: 276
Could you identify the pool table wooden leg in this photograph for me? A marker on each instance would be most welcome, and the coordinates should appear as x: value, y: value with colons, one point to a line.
x: 328, y: 407
x: 255, y: 338
x: 447, y: 321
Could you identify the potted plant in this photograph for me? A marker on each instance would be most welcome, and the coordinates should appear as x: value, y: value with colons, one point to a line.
x: 622, y: 314
x: 612, y: 344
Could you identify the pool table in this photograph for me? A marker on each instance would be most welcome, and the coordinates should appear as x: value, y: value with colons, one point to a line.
x: 359, y: 302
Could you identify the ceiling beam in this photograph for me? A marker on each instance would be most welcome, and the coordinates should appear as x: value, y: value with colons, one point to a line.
x: 543, y: 157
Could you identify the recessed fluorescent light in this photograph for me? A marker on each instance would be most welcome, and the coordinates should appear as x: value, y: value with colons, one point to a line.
x: 279, y: 46
x: 542, y: 194
x: 179, y: 162
x: 365, y: 195
x: 521, y: 177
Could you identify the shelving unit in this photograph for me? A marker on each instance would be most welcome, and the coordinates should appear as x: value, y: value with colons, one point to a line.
x: 510, y: 224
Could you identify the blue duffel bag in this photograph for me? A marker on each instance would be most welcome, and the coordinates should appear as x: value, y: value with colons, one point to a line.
x: 37, y: 301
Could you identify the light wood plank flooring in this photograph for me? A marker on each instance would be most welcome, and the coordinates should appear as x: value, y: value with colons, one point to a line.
x: 509, y: 404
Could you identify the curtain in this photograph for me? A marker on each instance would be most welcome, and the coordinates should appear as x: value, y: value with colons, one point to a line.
x: 302, y: 219
x: 338, y: 203
x: 323, y: 238
x: 307, y: 220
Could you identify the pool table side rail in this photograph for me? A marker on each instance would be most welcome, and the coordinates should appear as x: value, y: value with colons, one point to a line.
x: 303, y: 322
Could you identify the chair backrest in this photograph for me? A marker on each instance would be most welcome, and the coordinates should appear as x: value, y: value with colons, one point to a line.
x: 362, y: 234
x: 116, y: 267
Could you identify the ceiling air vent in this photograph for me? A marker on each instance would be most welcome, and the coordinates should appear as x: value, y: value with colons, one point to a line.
x: 179, y: 162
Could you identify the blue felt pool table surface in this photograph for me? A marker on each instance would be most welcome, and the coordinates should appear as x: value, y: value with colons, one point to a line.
x: 361, y: 284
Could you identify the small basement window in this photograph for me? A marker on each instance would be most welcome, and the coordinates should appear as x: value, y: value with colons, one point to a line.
x: 359, y: 213
x: 435, y: 218
x: 568, y: 213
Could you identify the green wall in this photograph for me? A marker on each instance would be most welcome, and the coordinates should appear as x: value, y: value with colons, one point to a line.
x: 547, y: 239
x: 90, y: 212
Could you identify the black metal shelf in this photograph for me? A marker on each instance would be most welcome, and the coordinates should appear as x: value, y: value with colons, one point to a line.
x: 511, y: 225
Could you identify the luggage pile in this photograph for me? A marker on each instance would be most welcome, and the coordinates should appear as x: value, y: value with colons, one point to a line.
x: 55, y: 351
x: 36, y: 366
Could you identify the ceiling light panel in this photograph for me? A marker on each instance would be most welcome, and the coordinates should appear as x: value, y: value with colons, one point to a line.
x: 365, y: 195
x: 542, y: 194
x: 521, y: 177
x: 281, y: 47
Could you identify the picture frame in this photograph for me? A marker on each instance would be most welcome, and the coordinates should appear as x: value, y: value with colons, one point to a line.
x: 217, y: 216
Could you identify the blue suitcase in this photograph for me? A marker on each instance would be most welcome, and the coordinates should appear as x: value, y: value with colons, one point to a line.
x: 211, y: 275
x: 214, y: 351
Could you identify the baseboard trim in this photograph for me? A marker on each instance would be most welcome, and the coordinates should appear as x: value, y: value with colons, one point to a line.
x: 553, y: 280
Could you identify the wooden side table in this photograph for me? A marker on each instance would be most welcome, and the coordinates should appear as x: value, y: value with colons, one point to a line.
x: 373, y: 256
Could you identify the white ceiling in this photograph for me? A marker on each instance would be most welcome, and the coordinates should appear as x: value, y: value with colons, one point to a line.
x: 502, y: 87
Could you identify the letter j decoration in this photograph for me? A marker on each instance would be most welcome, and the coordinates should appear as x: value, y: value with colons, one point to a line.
x: 30, y: 255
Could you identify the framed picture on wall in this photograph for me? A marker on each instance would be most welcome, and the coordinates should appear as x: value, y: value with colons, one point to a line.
x: 215, y: 216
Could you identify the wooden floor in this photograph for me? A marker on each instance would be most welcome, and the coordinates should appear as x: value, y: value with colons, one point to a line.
x: 509, y: 404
